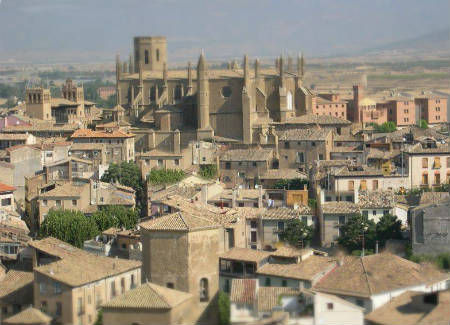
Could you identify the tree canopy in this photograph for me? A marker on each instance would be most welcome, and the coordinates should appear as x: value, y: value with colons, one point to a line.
x: 208, y: 171
x: 291, y: 184
x: 388, y: 227
x: 115, y: 216
x: 70, y: 226
x: 386, y: 127
x: 165, y: 176
x: 128, y: 174
x: 297, y: 233
x: 352, y: 232
x: 224, y: 308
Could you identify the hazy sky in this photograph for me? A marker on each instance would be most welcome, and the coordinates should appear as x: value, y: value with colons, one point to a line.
x: 223, y: 28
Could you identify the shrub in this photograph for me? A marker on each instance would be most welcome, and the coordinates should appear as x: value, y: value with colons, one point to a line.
x: 208, y: 171
x: 224, y: 308
x: 165, y: 176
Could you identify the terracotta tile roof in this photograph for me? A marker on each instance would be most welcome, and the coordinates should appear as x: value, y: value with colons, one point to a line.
x: 8, y: 136
x: 277, y: 174
x: 87, y: 133
x: 307, y: 269
x: 28, y: 316
x: 268, y: 297
x: 14, y: 284
x: 6, y: 188
x: 419, y: 149
x: 158, y: 153
x: 149, y: 296
x: 375, y: 153
x: 370, y: 275
x: 286, y: 213
x: 360, y: 171
x: 409, y: 308
x: 304, y: 134
x: 433, y: 197
x: 247, y: 155
x: 289, y: 251
x: 241, y: 194
x: 179, y: 221
x: 87, y: 146
x: 340, y: 207
x: 77, y: 267
x: 317, y: 119
x: 245, y: 254
x: 376, y: 199
x: 65, y: 190
x: 243, y: 291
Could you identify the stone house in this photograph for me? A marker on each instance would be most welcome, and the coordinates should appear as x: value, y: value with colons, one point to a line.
x: 11, y: 140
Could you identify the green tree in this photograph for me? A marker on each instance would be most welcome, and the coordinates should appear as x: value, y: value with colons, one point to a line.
x: 386, y: 127
x: 165, y: 176
x: 388, y: 227
x: 297, y: 233
x: 291, y: 184
x: 224, y: 308
x: 115, y: 216
x: 208, y: 171
x: 70, y: 226
x: 128, y: 174
x: 99, y: 320
x: 352, y: 233
x: 423, y: 124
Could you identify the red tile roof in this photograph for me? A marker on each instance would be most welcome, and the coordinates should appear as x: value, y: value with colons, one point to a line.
x: 87, y: 133
x: 6, y: 188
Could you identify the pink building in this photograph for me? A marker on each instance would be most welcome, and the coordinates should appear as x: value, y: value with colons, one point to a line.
x: 329, y: 104
x: 432, y: 109
x: 401, y: 111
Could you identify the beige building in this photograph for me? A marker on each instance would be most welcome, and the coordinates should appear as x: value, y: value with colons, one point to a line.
x: 16, y: 291
x: 70, y: 284
x: 195, y: 270
x: 148, y: 304
x: 119, y: 144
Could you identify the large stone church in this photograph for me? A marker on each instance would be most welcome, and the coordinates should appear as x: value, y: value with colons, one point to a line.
x: 243, y: 102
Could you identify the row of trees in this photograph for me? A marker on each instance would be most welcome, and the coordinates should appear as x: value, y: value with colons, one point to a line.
x: 75, y: 228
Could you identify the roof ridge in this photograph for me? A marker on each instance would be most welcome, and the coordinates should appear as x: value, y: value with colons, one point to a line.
x: 182, y: 219
x: 365, y: 274
x: 158, y: 294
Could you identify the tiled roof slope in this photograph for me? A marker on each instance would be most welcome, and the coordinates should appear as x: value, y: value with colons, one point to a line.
x: 179, y: 221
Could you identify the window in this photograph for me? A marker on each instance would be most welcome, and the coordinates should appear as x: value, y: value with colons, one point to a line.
x: 351, y: 185
x: 431, y: 298
x: 284, y: 283
x: 424, y: 162
x: 280, y: 225
x: 424, y: 179
x: 254, y: 164
x: 44, y: 306
x: 286, y: 145
x: 74, y: 203
x: 58, y: 309
x: 227, y: 165
x: 313, y: 144
x: 42, y: 288
x: 57, y: 287
x: 375, y: 184
x: 157, y: 55
x: 300, y: 157
x: 122, y: 285
x: 437, y: 179
x: 374, y: 212
x: 365, y: 214
x: 385, y: 212
x: 363, y: 185
x: 153, y: 93
x: 330, y: 306
x: 241, y: 204
x: 204, y: 294
x: 58, y: 203
x: 113, y: 289
x: 268, y: 282
x: 360, y: 302
x: 146, y: 56
x: 341, y: 220
x: 132, y: 282
x: 160, y: 162
x: 170, y: 285
x: 253, y: 236
x: 177, y: 162
x: 226, y: 92
x: 178, y: 92
x: 6, y: 202
x: 44, y: 203
x: 437, y: 162
x: 253, y: 224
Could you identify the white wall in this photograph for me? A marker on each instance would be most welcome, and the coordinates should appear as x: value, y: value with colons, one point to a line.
x: 342, y: 312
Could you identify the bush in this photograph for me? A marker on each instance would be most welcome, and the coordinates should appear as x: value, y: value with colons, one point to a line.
x: 386, y: 127
x: 165, y: 176
x: 224, y: 308
x: 208, y: 171
x: 291, y: 184
x: 115, y: 216
x: 423, y: 124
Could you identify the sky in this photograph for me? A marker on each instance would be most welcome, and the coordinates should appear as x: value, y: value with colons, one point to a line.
x: 223, y: 28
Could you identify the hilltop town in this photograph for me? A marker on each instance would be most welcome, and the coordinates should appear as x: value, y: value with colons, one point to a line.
x: 232, y: 195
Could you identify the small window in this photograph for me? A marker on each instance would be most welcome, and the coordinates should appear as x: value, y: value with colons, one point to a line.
x: 177, y: 162
x: 226, y: 91
x: 241, y: 204
x: 132, y: 282
x: 146, y: 57
x: 74, y: 203
x: 204, y: 291
x: 253, y: 224
x: 268, y: 282
x: 286, y: 145
x: 170, y: 285
x: 330, y: 306
x: 58, y: 203
x: 305, y: 220
x: 44, y: 203
x: 42, y: 288
x: 374, y: 212
x: 284, y: 283
x: 57, y: 287
x: 254, y: 164
x: 341, y: 220
x: 227, y: 165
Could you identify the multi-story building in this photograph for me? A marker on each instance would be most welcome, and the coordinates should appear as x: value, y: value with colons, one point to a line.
x: 330, y: 104
x: 298, y: 148
x: 7, y: 197
x: 432, y: 109
x: 119, y: 144
x: 401, y: 111
x: 70, y: 284
x: 11, y: 140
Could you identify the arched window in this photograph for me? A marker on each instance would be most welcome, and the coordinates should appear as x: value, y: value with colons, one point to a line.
x: 157, y: 54
x: 146, y: 56
x: 204, y: 294
x: 289, y: 101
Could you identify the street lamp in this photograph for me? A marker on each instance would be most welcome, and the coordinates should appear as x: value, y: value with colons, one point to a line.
x: 365, y: 228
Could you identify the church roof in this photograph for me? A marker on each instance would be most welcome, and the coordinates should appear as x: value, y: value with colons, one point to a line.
x: 317, y: 119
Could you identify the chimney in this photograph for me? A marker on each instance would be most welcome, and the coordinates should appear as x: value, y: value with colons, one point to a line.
x: 204, y: 194
x: 260, y: 196
x: 234, y: 197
